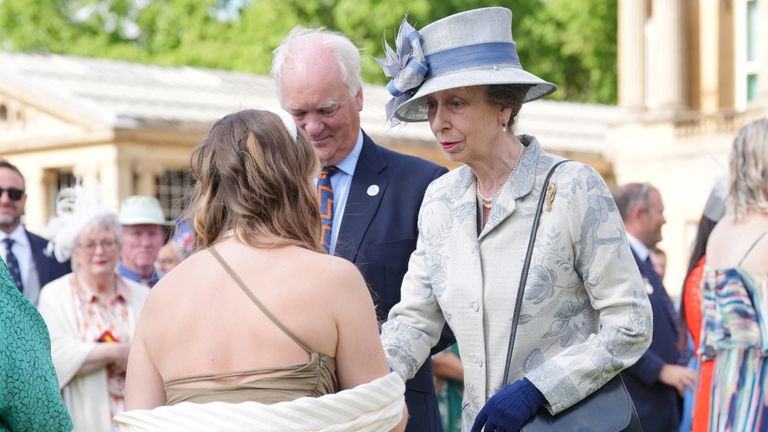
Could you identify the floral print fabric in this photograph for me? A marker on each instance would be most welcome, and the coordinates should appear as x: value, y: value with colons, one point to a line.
x: 106, y: 319
x: 586, y: 315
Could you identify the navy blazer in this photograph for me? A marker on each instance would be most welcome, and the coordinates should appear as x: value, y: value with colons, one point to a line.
x: 378, y: 233
x: 658, y: 405
x: 48, y: 268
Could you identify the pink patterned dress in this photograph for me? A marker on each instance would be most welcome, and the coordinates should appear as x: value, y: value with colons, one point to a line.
x: 107, y: 319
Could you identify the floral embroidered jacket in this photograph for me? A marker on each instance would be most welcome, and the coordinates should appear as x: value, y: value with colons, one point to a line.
x: 585, y: 315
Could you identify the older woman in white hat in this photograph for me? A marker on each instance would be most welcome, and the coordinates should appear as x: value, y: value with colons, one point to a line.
x: 91, y: 313
x: 584, y: 316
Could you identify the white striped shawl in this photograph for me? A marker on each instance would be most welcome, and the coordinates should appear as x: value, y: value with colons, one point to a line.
x: 374, y: 406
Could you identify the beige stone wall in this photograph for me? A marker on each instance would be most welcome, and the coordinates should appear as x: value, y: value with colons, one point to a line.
x: 682, y: 150
x: 683, y: 169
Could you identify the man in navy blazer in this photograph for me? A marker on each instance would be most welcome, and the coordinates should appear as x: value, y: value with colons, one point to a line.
x: 377, y: 193
x: 656, y: 382
x: 36, y: 267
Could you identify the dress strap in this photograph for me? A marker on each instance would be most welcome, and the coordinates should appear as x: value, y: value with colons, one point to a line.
x: 751, y: 247
x: 256, y: 301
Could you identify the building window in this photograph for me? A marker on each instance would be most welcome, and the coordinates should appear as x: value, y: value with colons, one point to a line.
x: 172, y: 187
x: 3, y: 113
x: 752, y: 87
x: 57, y: 179
x: 748, y: 65
x: 65, y: 180
x: 752, y: 41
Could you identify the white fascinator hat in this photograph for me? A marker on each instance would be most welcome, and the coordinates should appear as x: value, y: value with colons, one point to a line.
x: 76, y: 209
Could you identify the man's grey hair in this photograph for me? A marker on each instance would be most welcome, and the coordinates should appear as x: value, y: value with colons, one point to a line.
x: 345, y: 52
x: 631, y: 196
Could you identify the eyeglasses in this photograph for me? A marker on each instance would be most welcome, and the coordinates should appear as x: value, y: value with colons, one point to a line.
x: 106, y: 245
x: 14, y: 194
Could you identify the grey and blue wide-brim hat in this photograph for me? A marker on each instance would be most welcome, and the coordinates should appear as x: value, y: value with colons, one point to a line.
x: 466, y: 49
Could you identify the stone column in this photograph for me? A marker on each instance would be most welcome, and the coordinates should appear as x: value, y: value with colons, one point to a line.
x: 36, y: 208
x: 667, y: 15
x: 709, y: 66
x: 116, y: 181
x: 632, y: 15
x: 146, y: 177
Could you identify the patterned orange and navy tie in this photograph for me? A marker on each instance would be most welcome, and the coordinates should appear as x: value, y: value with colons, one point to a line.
x: 13, y: 264
x: 325, y: 198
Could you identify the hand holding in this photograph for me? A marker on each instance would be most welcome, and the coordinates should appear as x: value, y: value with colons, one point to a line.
x: 510, y: 408
x: 120, y: 356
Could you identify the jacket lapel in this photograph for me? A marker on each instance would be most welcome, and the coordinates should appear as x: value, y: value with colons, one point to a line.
x: 465, y: 206
x: 659, y: 294
x: 520, y: 185
x: 38, y: 248
x: 361, y: 206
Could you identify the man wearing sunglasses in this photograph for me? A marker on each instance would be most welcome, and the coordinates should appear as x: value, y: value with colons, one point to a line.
x: 22, y: 251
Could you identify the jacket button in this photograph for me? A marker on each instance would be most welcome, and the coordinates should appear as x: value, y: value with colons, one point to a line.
x: 474, y: 306
x: 479, y: 362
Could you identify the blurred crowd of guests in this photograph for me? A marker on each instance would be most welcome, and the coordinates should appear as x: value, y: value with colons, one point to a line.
x: 402, y: 271
x: 89, y: 284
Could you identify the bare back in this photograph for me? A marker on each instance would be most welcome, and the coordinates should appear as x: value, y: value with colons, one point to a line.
x: 743, y: 244
x: 198, y: 320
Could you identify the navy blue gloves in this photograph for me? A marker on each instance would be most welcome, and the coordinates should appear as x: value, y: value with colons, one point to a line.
x: 510, y: 408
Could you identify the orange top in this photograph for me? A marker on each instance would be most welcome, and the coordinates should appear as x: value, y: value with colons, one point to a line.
x: 693, y: 312
x: 693, y: 302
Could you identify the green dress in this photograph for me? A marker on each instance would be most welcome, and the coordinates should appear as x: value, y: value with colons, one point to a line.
x: 29, y: 391
x: 449, y: 399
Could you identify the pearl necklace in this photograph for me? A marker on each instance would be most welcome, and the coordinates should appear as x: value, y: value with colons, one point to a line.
x: 488, y: 202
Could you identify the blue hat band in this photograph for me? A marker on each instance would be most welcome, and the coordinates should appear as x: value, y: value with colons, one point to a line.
x: 472, y: 56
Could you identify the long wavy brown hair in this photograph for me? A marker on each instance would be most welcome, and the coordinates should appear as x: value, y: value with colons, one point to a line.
x: 253, y: 178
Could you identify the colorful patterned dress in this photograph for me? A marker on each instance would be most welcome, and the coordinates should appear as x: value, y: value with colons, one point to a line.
x: 735, y: 335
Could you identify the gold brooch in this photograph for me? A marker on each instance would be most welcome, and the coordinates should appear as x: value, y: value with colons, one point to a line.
x: 551, y: 191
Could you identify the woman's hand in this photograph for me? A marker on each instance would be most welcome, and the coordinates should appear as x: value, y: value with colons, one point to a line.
x: 510, y: 408
x: 679, y: 377
x: 106, y: 354
x: 120, y: 357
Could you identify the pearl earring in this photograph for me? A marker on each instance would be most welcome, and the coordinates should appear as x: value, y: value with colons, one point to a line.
x: 503, y: 127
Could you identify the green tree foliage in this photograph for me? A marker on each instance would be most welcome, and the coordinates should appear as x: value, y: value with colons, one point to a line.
x: 569, y: 42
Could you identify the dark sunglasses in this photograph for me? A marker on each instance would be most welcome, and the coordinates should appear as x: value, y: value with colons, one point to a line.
x: 13, y: 193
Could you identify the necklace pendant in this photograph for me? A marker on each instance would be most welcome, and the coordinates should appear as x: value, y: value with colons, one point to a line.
x: 487, y: 204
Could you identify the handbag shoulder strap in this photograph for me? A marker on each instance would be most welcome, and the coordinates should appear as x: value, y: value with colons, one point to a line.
x: 526, y: 266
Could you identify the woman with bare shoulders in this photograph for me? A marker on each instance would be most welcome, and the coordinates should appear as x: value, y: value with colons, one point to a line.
x: 254, y: 315
x: 734, y: 291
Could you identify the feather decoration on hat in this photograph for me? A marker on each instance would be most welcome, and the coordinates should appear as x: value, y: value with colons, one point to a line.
x: 76, y: 208
x: 407, y: 67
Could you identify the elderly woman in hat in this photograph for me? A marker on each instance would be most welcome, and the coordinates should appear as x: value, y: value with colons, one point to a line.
x: 91, y: 313
x: 584, y: 315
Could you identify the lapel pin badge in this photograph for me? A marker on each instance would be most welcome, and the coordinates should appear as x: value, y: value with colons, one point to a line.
x: 648, y: 286
x: 373, y: 190
x: 551, y: 191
